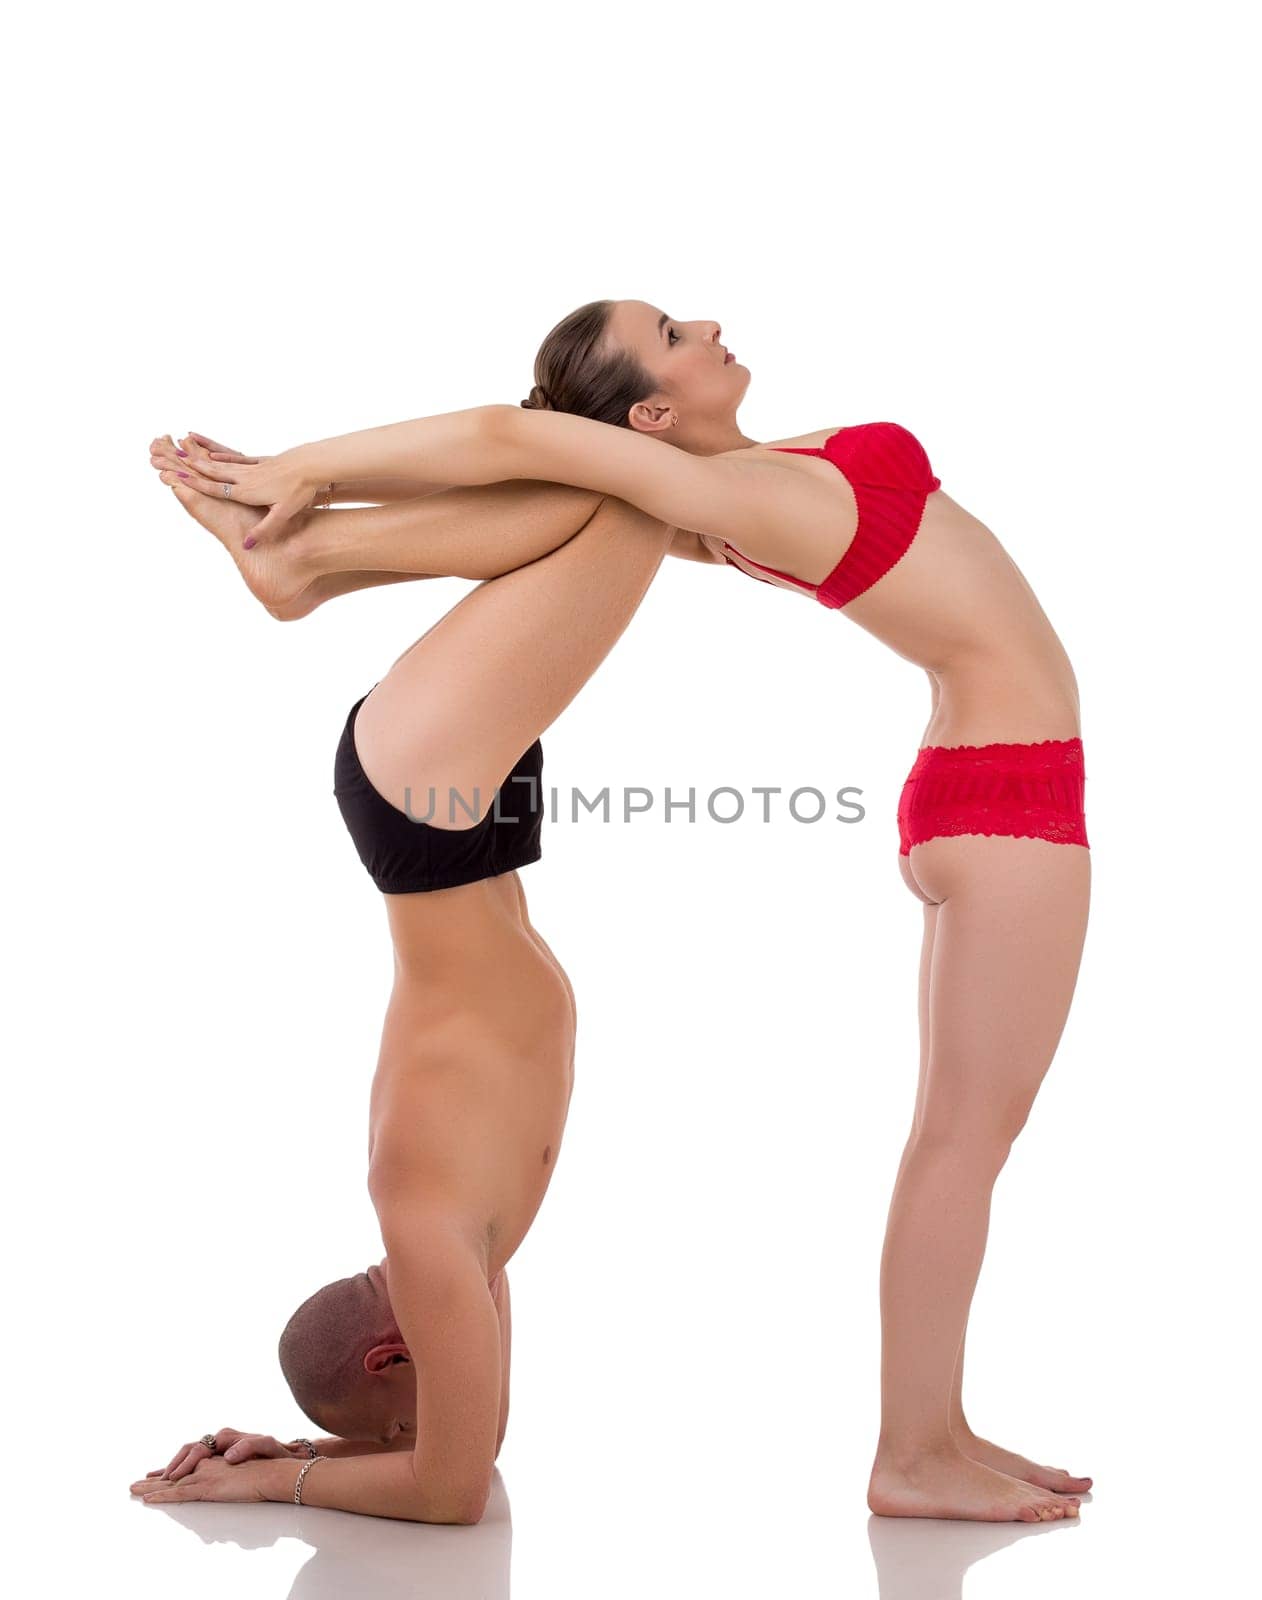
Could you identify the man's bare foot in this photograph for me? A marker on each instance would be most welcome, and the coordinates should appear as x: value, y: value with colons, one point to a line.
x: 947, y: 1483
x: 992, y: 1455
x: 276, y: 573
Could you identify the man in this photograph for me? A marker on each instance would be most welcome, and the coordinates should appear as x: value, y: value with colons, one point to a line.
x: 406, y: 1365
x: 349, y: 1369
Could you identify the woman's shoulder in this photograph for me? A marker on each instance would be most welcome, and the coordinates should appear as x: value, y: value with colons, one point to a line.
x: 802, y: 441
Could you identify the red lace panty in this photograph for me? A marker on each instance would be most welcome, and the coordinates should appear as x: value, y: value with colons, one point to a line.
x: 1026, y: 791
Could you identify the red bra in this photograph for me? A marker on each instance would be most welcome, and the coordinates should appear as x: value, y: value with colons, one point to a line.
x: 891, y: 477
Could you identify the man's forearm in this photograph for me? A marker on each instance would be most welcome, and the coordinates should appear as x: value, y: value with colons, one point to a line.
x: 337, y: 1448
x: 381, y: 1485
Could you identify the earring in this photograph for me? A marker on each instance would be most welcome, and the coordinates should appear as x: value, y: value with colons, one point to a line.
x: 674, y: 419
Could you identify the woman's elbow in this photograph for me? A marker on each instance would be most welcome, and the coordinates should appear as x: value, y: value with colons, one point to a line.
x: 496, y: 422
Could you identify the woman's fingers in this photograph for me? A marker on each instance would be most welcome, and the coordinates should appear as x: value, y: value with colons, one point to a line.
x: 272, y: 525
x: 191, y: 478
x: 224, y: 449
x: 222, y: 471
x: 218, y: 452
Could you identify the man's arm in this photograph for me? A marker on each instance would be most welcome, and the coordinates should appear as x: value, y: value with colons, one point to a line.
x: 503, y: 1307
x: 450, y: 1323
x: 336, y: 1447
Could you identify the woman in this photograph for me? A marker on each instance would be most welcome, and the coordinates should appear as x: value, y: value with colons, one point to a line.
x: 991, y: 820
x: 438, y: 776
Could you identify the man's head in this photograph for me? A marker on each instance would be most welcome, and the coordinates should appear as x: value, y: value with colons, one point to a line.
x: 345, y: 1360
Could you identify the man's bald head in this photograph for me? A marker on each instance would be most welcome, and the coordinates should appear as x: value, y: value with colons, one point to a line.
x: 335, y: 1350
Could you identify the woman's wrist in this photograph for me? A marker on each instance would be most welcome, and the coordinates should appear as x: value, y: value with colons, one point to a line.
x: 300, y: 460
x: 455, y: 448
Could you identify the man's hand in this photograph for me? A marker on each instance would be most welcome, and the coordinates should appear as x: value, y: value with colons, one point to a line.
x: 214, y: 1479
x: 233, y: 1445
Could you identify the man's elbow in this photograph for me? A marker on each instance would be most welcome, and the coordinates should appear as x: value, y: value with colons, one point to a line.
x: 465, y: 1506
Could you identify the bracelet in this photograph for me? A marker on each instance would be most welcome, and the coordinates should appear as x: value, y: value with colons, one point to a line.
x: 325, y: 495
x: 311, y: 1449
x: 303, y: 1470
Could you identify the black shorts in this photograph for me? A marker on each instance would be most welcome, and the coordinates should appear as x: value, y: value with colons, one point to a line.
x: 407, y: 856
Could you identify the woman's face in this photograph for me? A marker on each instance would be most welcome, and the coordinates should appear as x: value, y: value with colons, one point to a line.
x: 694, y: 371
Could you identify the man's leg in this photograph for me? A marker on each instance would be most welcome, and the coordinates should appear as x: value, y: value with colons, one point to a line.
x: 478, y: 532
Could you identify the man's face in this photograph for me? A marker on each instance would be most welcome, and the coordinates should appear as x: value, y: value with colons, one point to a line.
x: 383, y: 1408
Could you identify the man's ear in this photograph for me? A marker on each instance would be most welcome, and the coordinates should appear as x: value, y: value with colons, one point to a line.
x: 384, y: 1355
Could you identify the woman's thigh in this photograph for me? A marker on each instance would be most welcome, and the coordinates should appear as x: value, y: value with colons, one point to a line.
x: 1008, y: 933
x: 484, y: 683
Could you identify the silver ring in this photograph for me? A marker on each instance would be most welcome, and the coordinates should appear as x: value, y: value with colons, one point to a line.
x: 208, y: 1439
x: 227, y: 488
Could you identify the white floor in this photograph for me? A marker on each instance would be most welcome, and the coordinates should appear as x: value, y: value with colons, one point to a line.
x: 1149, y: 1528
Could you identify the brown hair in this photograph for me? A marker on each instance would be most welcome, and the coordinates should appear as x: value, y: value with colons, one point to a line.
x: 324, y: 1343
x: 574, y: 373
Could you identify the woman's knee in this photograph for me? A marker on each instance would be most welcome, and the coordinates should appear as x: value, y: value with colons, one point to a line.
x: 982, y: 1129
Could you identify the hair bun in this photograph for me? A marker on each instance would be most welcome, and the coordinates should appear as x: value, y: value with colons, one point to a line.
x: 537, y: 400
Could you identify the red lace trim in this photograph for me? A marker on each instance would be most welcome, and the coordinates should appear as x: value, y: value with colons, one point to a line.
x: 1034, y: 790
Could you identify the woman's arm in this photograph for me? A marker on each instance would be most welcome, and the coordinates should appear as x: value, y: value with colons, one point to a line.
x: 692, y: 547
x: 729, y: 496
x: 743, y: 497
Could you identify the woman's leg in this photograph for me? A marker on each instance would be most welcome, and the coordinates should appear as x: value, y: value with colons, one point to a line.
x: 1008, y: 929
x: 459, y: 708
x: 972, y: 1444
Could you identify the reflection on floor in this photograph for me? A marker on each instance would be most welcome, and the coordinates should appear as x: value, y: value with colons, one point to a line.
x: 381, y: 1559
x: 367, y: 1558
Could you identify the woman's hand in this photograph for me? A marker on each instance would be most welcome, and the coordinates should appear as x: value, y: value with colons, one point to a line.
x: 233, y: 1445
x: 212, y: 1479
x: 221, y: 452
x: 279, y: 482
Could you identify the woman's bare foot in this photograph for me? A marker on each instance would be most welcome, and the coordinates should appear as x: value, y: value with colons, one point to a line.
x: 992, y: 1455
x: 947, y: 1483
x: 276, y: 573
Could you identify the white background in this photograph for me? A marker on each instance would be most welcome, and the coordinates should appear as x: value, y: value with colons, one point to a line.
x: 1023, y: 233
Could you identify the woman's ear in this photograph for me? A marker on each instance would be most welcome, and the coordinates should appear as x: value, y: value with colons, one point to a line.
x: 651, y: 416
